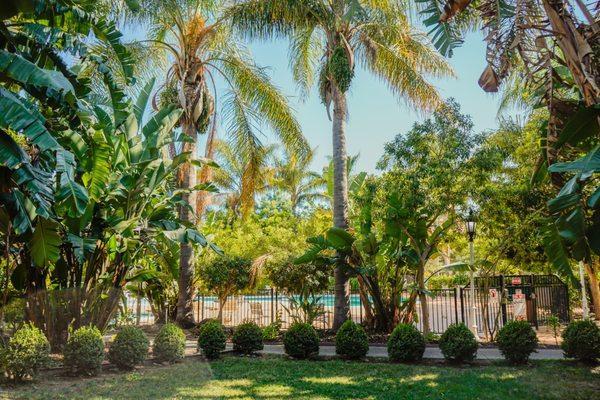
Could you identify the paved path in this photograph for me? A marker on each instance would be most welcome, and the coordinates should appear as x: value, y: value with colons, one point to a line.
x: 432, y: 353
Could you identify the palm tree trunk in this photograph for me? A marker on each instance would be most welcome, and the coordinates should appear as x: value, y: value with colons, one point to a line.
x: 187, y: 179
x: 340, y: 203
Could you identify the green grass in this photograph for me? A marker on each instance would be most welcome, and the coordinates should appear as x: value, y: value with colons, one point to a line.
x: 278, y: 378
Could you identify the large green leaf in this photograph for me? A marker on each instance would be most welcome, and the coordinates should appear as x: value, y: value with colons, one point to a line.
x: 18, y: 69
x: 45, y: 243
x: 339, y: 239
x: 18, y: 117
x: 580, y: 126
x: 142, y: 101
x: 587, y: 164
x: 108, y: 32
x: 557, y: 252
x: 100, y: 172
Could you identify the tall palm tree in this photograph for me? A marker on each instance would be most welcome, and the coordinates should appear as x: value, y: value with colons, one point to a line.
x: 202, y: 48
x: 293, y: 176
x: 328, y: 37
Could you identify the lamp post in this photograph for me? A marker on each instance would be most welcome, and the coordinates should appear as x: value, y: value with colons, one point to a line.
x: 471, y: 225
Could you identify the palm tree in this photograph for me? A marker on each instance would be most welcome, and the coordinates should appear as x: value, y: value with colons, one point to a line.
x: 240, y: 178
x: 201, y: 48
x: 328, y: 37
x: 292, y: 175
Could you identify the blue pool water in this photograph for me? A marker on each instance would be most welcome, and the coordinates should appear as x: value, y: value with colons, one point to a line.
x: 326, y: 300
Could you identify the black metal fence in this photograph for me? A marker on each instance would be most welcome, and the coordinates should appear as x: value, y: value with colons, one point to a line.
x: 497, y: 299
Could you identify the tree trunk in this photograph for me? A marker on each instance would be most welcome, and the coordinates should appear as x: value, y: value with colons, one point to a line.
x: 592, y: 272
x: 186, y: 179
x: 341, y: 310
x: 423, y: 299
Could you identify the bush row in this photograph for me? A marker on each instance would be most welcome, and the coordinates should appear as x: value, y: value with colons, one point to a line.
x: 28, y: 349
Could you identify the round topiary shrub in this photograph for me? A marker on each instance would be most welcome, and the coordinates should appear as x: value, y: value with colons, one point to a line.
x: 406, y: 344
x: 516, y: 341
x: 211, y: 339
x: 458, y: 344
x: 247, y: 338
x: 84, y: 351
x: 26, y: 352
x: 581, y: 340
x: 301, y: 341
x: 351, y: 341
x: 169, y: 344
x: 129, y: 348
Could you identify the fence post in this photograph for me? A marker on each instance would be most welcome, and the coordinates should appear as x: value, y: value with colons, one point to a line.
x: 456, y: 292
x: 503, y: 299
x: 462, y: 306
x: 272, y: 307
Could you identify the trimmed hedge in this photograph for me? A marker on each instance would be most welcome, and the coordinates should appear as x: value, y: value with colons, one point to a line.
x: 516, y: 341
x: 169, y: 344
x: 27, y: 351
x: 458, y: 344
x: 301, y: 341
x: 406, y: 344
x: 581, y: 340
x: 84, y: 351
x: 351, y: 341
x: 129, y: 348
x: 247, y: 338
x: 211, y: 339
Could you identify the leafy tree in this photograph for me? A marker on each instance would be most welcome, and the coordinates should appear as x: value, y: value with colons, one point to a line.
x: 327, y: 39
x: 226, y: 276
x: 196, y: 37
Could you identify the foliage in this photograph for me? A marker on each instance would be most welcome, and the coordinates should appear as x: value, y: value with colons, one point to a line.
x: 247, y: 338
x: 211, y: 339
x: 581, y: 340
x: 271, y: 332
x: 129, y: 348
x: 301, y: 341
x: 14, y: 313
x: 169, y: 344
x: 554, y: 323
x: 458, y: 344
x: 406, y: 344
x: 84, y: 351
x: 225, y: 276
x: 516, y: 341
x: 27, y: 351
x: 351, y: 341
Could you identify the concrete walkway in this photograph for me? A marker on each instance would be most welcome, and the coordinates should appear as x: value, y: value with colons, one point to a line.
x: 432, y: 353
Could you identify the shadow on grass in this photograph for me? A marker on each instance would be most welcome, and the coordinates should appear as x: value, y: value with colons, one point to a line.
x: 278, y: 378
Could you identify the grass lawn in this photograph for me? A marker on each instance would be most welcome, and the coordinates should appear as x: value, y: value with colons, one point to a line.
x: 278, y: 378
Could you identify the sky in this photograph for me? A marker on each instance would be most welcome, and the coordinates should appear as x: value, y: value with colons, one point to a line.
x: 375, y: 115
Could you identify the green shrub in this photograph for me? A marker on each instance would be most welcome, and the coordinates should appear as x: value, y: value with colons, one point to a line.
x: 271, y: 331
x: 129, y: 348
x: 581, y: 340
x: 14, y: 313
x: 516, y: 341
x: 247, y: 338
x: 406, y: 344
x: 26, y: 352
x: 169, y: 344
x: 458, y: 344
x: 84, y: 351
x: 351, y: 341
x: 212, y: 339
x: 301, y: 341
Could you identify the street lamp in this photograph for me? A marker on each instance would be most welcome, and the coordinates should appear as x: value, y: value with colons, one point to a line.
x: 471, y: 225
